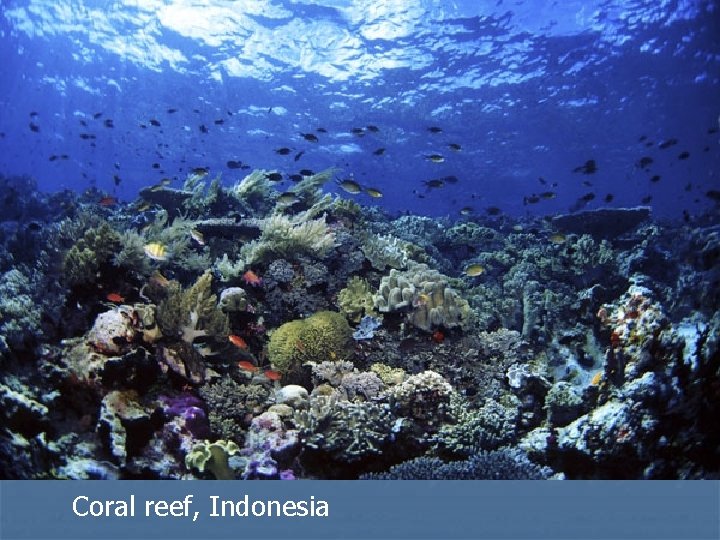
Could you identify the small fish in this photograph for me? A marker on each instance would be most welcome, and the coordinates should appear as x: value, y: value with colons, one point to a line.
x: 311, y: 137
x: 232, y: 164
x: 219, y: 122
x: 108, y: 201
x: 557, y: 238
x: 251, y: 278
x: 655, y: 178
x: 683, y: 155
x: 434, y: 129
x: 306, y: 172
x: 321, y: 130
x: 272, y: 374
x: 155, y: 165
x: 237, y: 341
x: 435, y: 158
x: 115, y: 297
x: 474, y: 270
x: 288, y: 198
x: 644, y: 161
x: 299, y: 155
x: 158, y: 279
x: 284, y: 151
x: 466, y: 211
x: 667, y: 143
x: 454, y: 147
x: 53, y: 157
x: 646, y: 200
x: 172, y: 111
x: 372, y: 128
x: 379, y: 152
x: 156, y: 251
x: 350, y: 186
x: 295, y: 177
x: 609, y: 198
x: 274, y: 176
x: 198, y: 237
x: 438, y: 336
x: 200, y: 171
x: 450, y: 179
x: 109, y: 123
x: 34, y: 127
x: 374, y: 193
x: 117, y: 179
x: 87, y: 136
x: 713, y: 195
x: 548, y: 195
x: 434, y: 183
x: 532, y: 199
x: 97, y: 115
x: 493, y: 211
x: 154, y: 122
x: 587, y: 197
x: 358, y: 132
x: 247, y: 366
x: 589, y: 167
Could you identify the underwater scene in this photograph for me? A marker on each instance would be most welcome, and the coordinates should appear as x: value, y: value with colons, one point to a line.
x: 360, y: 239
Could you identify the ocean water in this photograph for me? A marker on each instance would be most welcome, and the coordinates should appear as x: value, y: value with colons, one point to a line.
x: 555, y: 166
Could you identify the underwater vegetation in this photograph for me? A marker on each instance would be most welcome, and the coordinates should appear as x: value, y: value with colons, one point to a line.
x: 240, y: 333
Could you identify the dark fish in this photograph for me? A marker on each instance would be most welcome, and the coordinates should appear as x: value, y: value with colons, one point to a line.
x: 684, y: 155
x: 450, y: 179
x: 171, y: 111
x: 274, y: 177
x: 283, y: 151
x: 143, y: 126
x: 586, y: 183
x: 52, y: 158
x: 311, y: 137
x: 713, y: 195
x: 609, y: 197
x: 200, y: 171
x: 492, y: 211
x: 686, y: 216
x: 299, y: 155
x: 542, y: 181
x: 203, y: 128
x: 667, y: 143
x: 33, y: 113
x: 642, y: 138
x: 295, y: 177
x: 372, y: 129
x: 234, y: 164
x: 117, y: 179
x: 109, y: 123
x: 34, y: 127
x: 688, y: 186
x: 321, y: 130
x: 359, y: 132
x: 655, y: 178
x: 644, y: 161
x: 219, y: 122
x: 34, y: 226
x: 589, y: 167
x: 532, y: 199
x: 434, y: 183
x: 154, y: 122
x: 155, y: 165
x: 646, y: 200
x: 454, y: 147
x: 434, y: 129
x: 97, y: 115
x: 548, y: 195
x: 87, y: 136
x: 587, y: 197
x: 379, y: 152
x: 306, y: 172
x: 83, y: 123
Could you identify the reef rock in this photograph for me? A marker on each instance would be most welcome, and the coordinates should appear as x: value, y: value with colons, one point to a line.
x: 603, y: 222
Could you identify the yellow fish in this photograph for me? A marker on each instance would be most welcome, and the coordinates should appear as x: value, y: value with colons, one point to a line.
x: 475, y: 270
x: 350, y: 186
x: 198, y: 237
x: 557, y: 238
x: 374, y: 193
x: 156, y: 251
x: 436, y: 158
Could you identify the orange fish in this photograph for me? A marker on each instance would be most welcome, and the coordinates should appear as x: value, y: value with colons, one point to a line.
x: 237, y: 341
x: 251, y: 278
x: 273, y: 375
x: 438, y: 336
x: 108, y: 201
x: 247, y: 366
x: 115, y: 297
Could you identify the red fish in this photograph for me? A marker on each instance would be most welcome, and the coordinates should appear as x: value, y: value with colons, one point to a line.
x: 237, y: 341
x: 108, y: 201
x: 115, y: 297
x: 247, y: 366
x: 251, y: 278
x: 273, y: 375
x: 438, y: 336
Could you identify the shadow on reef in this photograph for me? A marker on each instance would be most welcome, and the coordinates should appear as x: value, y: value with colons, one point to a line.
x: 239, y: 333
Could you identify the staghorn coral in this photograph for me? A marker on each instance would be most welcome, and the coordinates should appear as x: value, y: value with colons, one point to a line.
x: 231, y: 406
x: 324, y: 335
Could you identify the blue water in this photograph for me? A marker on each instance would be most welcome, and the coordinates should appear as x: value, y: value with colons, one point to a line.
x: 530, y: 90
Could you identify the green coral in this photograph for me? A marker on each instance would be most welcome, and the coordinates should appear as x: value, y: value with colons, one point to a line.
x: 326, y: 335
x: 20, y: 315
x: 255, y: 191
x: 90, y: 253
x: 192, y: 313
x: 231, y: 405
x: 213, y: 457
x: 356, y: 300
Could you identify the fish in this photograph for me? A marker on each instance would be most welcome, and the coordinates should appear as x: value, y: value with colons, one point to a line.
x: 109, y: 123
x: 474, y: 270
x: 219, y: 122
x: 198, y: 237
x: 557, y: 238
x: 548, y: 195
x: 299, y: 155
x: 251, y: 278
x: 589, y: 167
x: 232, y: 164
x: 609, y: 198
x: 438, y: 336
x: 306, y: 172
x: 310, y: 137
x: 108, y: 201
x: 272, y: 374
x: 117, y: 179
x: 203, y: 128
x: 156, y: 251
x: 713, y: 195
x: 667, y: 143
x: 154, y: 122
x: 155, y: 165
x: 284, y: 151
x: 237, y: 341
x: 493, y: 211
x: 372, y: 128
x: 644, y: 162
x: 683, y: 155
x: 158, y: 279
x: 350, y: 186
x: 466, y: 211
x: 200, y: 171
x: 295, y: 177
x: 450, y: 179
x: 434, y: 129
x: 97, y: 115
x: 357, y: 131
x: 379, y: 152
x: 454, y: 147
x: 87, y: 136
x: 274, y: 176
x: 288, y: 198
x: 434, y: 183
x: 655, y: 178
x: 435, y: 158
x: 247, y: 366
x: 115, y: 297
x: 532, y: 199
x: 374, y: 193
x: 172, y: 111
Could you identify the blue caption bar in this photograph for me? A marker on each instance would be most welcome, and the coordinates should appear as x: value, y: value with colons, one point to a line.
x: 283, y: 510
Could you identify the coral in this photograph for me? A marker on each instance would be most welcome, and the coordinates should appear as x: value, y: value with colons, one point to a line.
x: 502, y: 464
x: 389, y: 375
x: 329, y: 371
x: 89, y: 254
x: 424, y: 398
x: 255, y: 192
x: 268, y: 442
x: 192, y: 313
x: 280, y: 271
x: 20, y: 315
x: 122, y: 423
x: 355, y: 300
x: 366, y: 328
x: 293, y: 395
x: 471, y: 234
x: 231, y: 406
x: 361, y: 385
x: 289, y: 237
x: 212, y: 456
x: 233, y: 299
x: 426, y: 297
x: 324, y: 335
x: 227, y: 269
x: 386, y: 250
x: 112, y: 332
x: 564, y: 403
